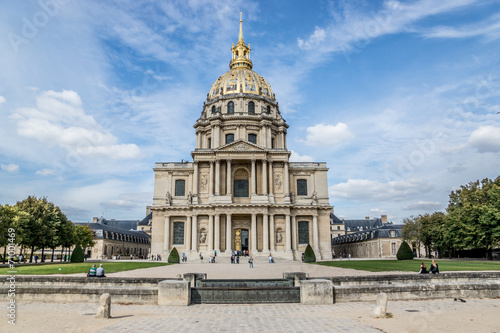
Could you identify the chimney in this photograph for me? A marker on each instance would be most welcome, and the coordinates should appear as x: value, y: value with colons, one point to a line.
x: 384, y: 218
x: 94, y: 219
x: 367, y: 218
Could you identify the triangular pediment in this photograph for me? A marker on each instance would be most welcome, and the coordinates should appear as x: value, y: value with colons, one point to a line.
x: 240, y: 145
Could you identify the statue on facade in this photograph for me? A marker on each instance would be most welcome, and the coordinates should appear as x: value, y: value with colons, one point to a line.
x: 314, y: 198
x: 277, y: 183
x: 190, y: 197
x: 168, y: 199
x: 292, y: 197
x: 203, y: 236
x: 279, y: 237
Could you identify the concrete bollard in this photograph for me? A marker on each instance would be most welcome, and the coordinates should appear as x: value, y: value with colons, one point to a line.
x: 381, y: 308
x: 104, y: 309
x: 315, y: 292
x: 174, y: 292
x: 192, y: 277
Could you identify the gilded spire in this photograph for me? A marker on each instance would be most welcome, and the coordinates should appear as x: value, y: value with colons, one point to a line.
x: 241, y: 52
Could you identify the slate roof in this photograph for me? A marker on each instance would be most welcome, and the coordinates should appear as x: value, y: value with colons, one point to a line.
x: 120, y: 224
x: 383, y: 231
x: 334, y: 219
x: 104, y: 227
x: 146, y: 220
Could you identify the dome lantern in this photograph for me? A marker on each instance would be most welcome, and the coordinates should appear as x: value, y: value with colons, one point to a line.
x: 241, y: 52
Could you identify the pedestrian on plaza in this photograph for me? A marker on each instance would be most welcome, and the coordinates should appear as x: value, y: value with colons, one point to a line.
x: 423, y: 268
x: 250, y: 262
x: 100, y: 271
x: 36, y: 259
x: 434, y: 267
x: 232, y: 259
x: 237, y: 259
x: 92, y: 271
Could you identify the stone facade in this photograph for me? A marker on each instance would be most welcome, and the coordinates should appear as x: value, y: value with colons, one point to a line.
x: 241, y: 192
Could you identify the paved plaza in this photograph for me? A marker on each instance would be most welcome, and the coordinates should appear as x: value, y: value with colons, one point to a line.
x: 447, y: 315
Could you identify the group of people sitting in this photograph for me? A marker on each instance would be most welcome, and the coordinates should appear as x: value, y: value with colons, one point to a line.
x: 434, y: 268
x: 96, y: 272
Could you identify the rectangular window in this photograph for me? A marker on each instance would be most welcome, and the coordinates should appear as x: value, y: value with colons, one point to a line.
x: 301, y: 187
x: 179, y: 233
x: 180, y: 187
x: 229, y: 138
x: 241, y: 188
x: 393, y: 248
x: 252, y: 138
x: 304, y: 232
x: 209, y: 143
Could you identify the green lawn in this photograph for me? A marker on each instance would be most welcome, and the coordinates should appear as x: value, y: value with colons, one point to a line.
x: 71, y: 268
x: 413, y: 265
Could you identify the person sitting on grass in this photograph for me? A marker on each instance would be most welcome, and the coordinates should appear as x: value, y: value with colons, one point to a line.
x: 100, y: 271
x: 423, y: 268
x: 92, y: 271
x: 434, y: 268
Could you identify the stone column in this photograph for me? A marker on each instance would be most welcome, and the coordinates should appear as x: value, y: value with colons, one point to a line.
x: 294, y: 232
x: 229, y: 229
x: 264, y: 136
x: 288, y: 233
x: 272, y: 236
x: 217, y: 233
x: 254, y: 234
x: 271, y: 181
x: 194, y: 234
x: 265, y: 234
x: 188, y: 233
x: 286, y: 181
x: 228, y: 178
x: 217, y: 177
x: 169, y: 182
x: 315, y: 232
x: 254, y: 178
x: 269, y: 137
x: 195, y: 178
x: 166, y: 240
x: 210, y: 232
x: 244, y: 132
x: 211, y: 179
x: 264, y: 177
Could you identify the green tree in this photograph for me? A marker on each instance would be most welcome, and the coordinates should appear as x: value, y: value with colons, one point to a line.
x: 309, y: 255
x: 404, y: 252
x: 411, y: 231
x: 83, y: 236
x: 173, y: 258
x: 473, y: 219
x: 77, y: 255
x: 10, y: 218
x: 431, y: 231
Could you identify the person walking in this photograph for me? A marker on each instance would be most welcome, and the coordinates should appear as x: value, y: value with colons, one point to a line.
x: 250, y: 262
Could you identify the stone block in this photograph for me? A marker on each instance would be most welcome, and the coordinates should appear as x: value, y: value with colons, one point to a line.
x: 174, y: 292
x: 380, y: 309
x: 316, y: 292
x: 192, y: 277
x: 104, y: 309
x: 296, y: 276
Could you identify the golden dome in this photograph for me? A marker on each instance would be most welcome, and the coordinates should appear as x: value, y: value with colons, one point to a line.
x: 240, y: 78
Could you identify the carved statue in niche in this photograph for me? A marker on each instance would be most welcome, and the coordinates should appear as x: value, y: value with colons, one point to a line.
x: 279, y: 236
x: 292, y: 197
x: 278, y: 182
x: 190, y: 197
x: 204, y: 182
x: 168, y: 199
x: 203, y: 236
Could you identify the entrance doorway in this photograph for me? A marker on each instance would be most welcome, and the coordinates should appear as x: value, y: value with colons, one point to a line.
x: 241, y: 239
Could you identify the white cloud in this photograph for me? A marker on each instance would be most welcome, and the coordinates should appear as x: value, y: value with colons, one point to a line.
x: 296, y: 157
x: 370, y: 190
x: 327, y: 135
x: 46, y: 172
x: 2, y: 100
x: 424, y: 205
x: 485, y: 139
x: 12, y: 168
x: 378, y: 211
x: 59, y: 120
x: 489, y: 28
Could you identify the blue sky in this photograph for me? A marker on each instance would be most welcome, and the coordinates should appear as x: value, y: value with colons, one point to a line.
x: 400, y: 98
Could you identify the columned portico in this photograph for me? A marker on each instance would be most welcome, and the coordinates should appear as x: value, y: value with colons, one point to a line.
x: 254, y: 233
x: 229, y: 231
x: 194, y: 233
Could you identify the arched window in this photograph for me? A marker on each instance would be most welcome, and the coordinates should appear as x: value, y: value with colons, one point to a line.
x: 213, y: 109
x: 229, y: 138
x: 180, y: 187
x: 251, y: 107
x: 230, y: 107
x: 268, y: 109
x: 252, y: 138
x: 301, y: 187
x: 240, y: 184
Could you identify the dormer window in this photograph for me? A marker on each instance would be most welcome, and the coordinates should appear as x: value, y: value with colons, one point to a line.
x: 268, y: 110
x: 230, y: 107
x: 214, y: 109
